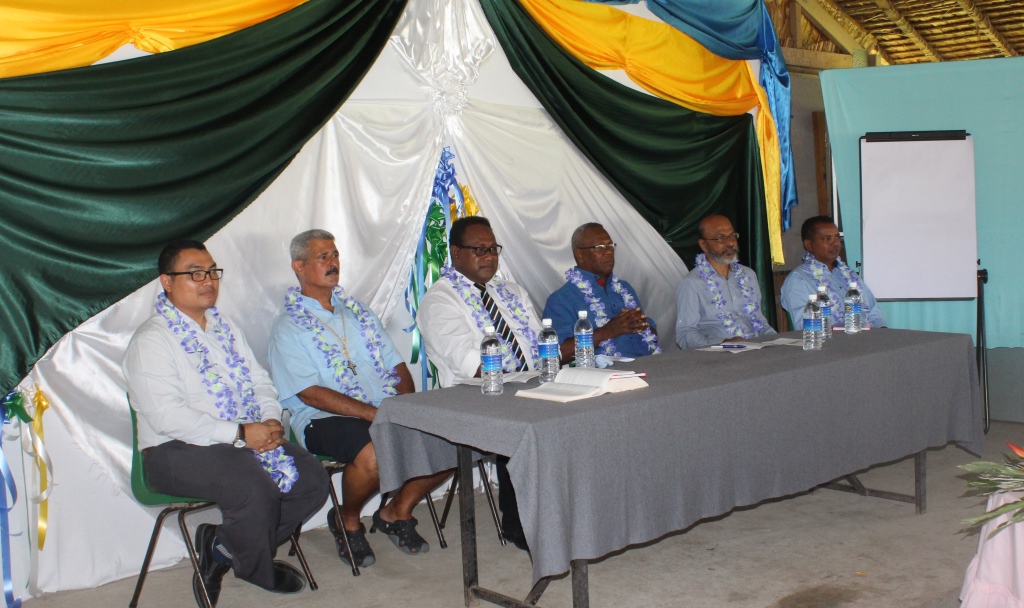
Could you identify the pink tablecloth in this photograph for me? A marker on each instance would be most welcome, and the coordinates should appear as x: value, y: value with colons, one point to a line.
x: 994, y: 578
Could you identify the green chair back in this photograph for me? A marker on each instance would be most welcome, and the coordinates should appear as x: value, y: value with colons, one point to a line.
x: 142, y: 492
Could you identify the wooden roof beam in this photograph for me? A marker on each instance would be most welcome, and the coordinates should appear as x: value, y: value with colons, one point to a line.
x: 987, y: 28
x: 901, y: 22
x: 843, y: 29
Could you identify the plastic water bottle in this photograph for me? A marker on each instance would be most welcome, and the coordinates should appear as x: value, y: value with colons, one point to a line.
x: 584, y: 333
x: 812, y: 324
x: 490, y: 363
x: 853, y: 308
x: 547, y: 347
x: 825, y: 304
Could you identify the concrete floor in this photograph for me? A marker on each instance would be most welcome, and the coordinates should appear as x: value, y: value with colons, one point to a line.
x: 823, y: 549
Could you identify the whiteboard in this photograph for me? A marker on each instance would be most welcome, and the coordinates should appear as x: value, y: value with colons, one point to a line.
x: 918, y: 226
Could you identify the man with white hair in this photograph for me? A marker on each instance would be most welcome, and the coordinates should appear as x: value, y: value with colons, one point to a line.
x: 720, y: 299
x: 333, y: 364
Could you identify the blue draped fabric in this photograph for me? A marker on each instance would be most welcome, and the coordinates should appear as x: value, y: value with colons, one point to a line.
x: 739, y: 29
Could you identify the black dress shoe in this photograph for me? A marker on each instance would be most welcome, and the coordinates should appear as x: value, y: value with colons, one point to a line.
x: 210, y: 569
x: 287, y: 579
x: 519, y: 540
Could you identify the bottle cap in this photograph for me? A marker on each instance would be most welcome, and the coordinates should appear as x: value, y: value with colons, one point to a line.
x: 812, y: 297
x: 583, y: 314
x: 545, y: 323
x: 488, y: 329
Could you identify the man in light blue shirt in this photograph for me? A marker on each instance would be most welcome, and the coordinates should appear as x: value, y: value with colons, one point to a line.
x: 823, y: 266
x: 333, y: 364
x: 620, y: 326
x: 719, y: 300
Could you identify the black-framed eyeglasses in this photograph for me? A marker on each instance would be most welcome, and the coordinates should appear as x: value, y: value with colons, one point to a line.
x: 602, y: 248
x: 200, y: 275
x: 735, y: 236
x: 482, y: 251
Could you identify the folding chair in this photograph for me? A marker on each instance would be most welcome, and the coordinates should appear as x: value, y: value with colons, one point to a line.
x: 486, y: 479
x: 145, y: 496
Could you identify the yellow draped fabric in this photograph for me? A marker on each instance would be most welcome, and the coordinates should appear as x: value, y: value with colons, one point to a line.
x: 46, y: 35
x: 673, y: 66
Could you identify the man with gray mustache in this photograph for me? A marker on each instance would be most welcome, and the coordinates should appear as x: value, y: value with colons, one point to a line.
x: 333, y: 364
x: 719, y: 300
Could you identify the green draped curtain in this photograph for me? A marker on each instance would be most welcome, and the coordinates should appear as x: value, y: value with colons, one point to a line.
x: 674, y: 165
x: 101, y: 166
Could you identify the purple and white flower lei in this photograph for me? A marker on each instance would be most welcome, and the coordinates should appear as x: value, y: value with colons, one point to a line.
x: 750, y: 306
x: 517, y: 314
x: 574, y: 276
x: 280, y: 466
x: 343, y: 376
x: 821, y: 275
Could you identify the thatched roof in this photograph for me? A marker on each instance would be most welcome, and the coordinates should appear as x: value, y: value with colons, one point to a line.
x: 901, y: 31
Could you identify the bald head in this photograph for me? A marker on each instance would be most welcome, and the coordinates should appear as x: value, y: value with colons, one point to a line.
x: 707, y: 224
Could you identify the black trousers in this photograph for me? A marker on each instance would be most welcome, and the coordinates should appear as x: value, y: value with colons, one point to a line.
x: 258, y: 517
x: 511, y: 526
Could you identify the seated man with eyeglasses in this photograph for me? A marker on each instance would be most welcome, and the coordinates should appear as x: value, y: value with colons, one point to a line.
x: 719, y: 300
x: 209, y: 427
x: 333, y: 364
x: 823, y: 266
x: 452, y: 317
x: 620, y: 326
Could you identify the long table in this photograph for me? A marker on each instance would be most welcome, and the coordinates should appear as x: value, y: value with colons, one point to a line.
x: 713, y: 431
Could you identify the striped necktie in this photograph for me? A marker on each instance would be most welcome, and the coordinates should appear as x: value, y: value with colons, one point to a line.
x: 501, y: 326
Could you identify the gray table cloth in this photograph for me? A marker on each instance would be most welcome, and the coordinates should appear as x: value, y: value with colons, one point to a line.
x: 713, y: 431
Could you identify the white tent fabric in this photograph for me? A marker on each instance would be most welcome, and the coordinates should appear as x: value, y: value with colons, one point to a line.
x: 366, y: 177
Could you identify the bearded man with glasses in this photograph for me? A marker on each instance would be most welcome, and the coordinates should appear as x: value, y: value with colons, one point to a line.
x: 822, y: 265
x: 451, y: 319
x: 719, y: 300
x: 620, y: 326
x: 209, y: 427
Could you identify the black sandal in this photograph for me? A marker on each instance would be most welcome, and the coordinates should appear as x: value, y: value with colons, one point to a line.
x: 361, y: 549
x: 403, y: 533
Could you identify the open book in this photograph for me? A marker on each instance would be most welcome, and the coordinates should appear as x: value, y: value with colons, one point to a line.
x: 574, y: 383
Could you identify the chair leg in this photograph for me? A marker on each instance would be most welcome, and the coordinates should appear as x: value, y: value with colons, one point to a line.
x: 437, y: 525
x: 149, y: 555
x: 297, y: 550
x: 291, y: 549
x: 490, y: 500
x: 340, y: 526
x: 449, y: 499
x: 192, y: 555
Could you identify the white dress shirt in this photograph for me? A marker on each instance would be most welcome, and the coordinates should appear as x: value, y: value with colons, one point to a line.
x: 451, y: 338
x: 169, y: 394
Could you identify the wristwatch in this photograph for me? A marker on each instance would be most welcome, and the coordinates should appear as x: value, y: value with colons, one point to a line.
x: 240, y: 436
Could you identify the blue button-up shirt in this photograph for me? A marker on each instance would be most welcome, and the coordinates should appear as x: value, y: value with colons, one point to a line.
x: 801, y: 282
x: 564, y: 305
x: 697, y: 322
x: 297, y: 364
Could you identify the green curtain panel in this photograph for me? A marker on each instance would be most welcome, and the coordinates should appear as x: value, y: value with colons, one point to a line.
x: 674, y: 165
x: 101, y: 166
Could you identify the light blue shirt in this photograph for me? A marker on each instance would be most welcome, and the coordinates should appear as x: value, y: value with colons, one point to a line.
x: 697, y: 322
x: 297, y: 364
x: 801, y: 282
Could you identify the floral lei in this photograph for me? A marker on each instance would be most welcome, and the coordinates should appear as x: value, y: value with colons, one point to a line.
x: 750, y: 306
x: 574, y: 276
x: 279, y: 465
x: 517, y: 314
x: 822, y: 276
x: 343, y: 376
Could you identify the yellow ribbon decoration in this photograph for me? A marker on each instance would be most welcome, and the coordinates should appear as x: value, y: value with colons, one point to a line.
x: 43, y: 463
x: 668, y: 63
x: 46, y: 35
